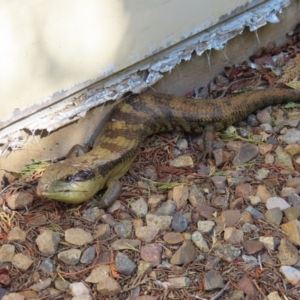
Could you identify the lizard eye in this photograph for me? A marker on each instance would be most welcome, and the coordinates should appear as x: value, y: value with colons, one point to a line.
x: 81, y: 176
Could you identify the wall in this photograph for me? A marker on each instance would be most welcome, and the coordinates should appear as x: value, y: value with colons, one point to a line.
x: 53, y: 46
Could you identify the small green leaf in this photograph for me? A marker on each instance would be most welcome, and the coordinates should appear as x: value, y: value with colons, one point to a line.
x: 292, y: 105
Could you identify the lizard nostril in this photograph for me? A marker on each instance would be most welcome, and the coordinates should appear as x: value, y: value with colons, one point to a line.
x: 41, y: 188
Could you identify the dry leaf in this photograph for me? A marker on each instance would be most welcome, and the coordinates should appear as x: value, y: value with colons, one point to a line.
x: 291, y: 70
x: 294, y: 85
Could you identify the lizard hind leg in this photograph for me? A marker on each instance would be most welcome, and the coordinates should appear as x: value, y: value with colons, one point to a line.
x: 208, y: 137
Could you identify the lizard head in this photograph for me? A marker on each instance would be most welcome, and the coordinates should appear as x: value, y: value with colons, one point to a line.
x: 70, y: 181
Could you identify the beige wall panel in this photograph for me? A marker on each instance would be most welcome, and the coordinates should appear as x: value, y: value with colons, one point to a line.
x: 50, y: 46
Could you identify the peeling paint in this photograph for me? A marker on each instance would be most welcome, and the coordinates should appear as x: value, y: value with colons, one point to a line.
x: 75, y: 107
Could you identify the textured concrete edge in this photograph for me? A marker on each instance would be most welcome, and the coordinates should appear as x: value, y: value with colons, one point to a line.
x: 76, y: 106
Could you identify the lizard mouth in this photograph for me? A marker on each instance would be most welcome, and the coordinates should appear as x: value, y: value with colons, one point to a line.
x: 74, y: 196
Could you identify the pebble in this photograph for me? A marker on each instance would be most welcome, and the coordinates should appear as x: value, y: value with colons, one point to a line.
x: 150, y: 172
x: 293, y: 182
x: 230, y: 217
x: 267, y: 128
x: 140, y: 207
x: 185, y: 254
x: 291, y: 136
x: 200, y: 241
x: 124, y: 264
x: 264, y: 116
x: 292, y: 149
x: 13, y: 296
x: 233, y: 235
x: 274, y: 296
x: 48, y: 241
x: 252, y: 247
x: 89, y: 254
x: 213, y: 280
x: 182, y: 161
x: 78, y: 289
x: 254, y: 212
x: 144, y: 268
x: 179, y: 282
x: 167, y: 208
x: 203, y: 170
x: 252, y: 120
x: 16, y: 235
x: 262, y: 174
x: 236, y: 295
x: 246, y: 153
x: 219, y: 182
x: 294, y: 200
x: 152, y: 253
x: 196, y: 197
x: 243, y: 190
x: 108, y: 219
x: 161, y: 222
x: 222, y: 202
x: 206, y: 227
x: 78, y: 236
x: 212, y: 262
x: 92, y: 213
x: 269, y: 159
x: 206, y: 211
x: 123, y: 228
x: 60, y: 284
x: 114, y: 207
x: 147, y: 233
x: 254, y: 200
x: 22, y: 262
x: 155, y: 200
x: 218, y: 156
x: 83, y: 297
x: 180, y: 195
x: 277, y: 202
x: 48, y: 266
x: 98, y: 273
x: 274, y: 216
x: 249, y: 259
x: 227, y: 252
x: 246, y: 284
x: 236, y: 204
x: 263, y: 193
x: 293, y: 231
x: 182, y: 144
x: 70, y: 257
x: 125, y: 244
x: 7, y: 253
x: 286, y: 191
x: 19, y: 200
x: 173, y: 238
x: 249, y: 228
x: 102, y: 232
x: 283, y: 159
x: 291, y: 274
x: 271, y: 140
x: 264, y: 148
x: 287, y: 253
x: 292, y: 213
x: 246, y: 217
x: 41, y: 285
x: 109, y: 287
x: 179, y: 222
